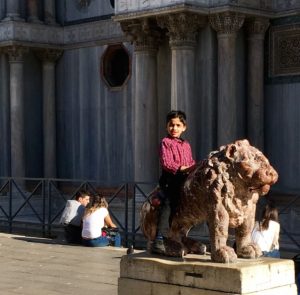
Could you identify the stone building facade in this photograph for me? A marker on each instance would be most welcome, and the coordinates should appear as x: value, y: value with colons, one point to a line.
x: 85, y: 84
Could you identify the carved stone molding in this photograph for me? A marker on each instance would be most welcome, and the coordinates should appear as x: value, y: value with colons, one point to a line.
x: 226, y: 22
x: 285, y: 51
x: 182, y: 28
x: 144, y: 33
x: 257, y: 27
x: 82, y: 3
x: 70, y: 36
x: 15, y: 53
x: 49, y: 55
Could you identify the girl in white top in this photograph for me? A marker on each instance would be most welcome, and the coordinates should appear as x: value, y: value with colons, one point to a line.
x: 266, y: 233
x: 96, y: 216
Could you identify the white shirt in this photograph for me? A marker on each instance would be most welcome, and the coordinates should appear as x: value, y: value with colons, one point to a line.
x: 266, y: 239
x: 93, y: 223
x: 72, y: 213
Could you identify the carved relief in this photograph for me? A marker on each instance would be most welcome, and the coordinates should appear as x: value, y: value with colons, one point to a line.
x: 182, y: 27
x: 285, y: 50
x: 257, y: 26
x: 82, y: 3
x: 49, y: 55
x: 144, y: 33
x: 227, y: 22
x: 98, y: 31
x: 15, y: 53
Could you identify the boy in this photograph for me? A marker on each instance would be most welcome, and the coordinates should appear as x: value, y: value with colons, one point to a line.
x: 175, y: 159
x: 72, y: 215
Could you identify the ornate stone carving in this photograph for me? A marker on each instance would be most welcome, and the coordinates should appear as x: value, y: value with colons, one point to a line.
x: 223, y: 191
x: 49, y: 55
x: 144, y: 33
x: 182, y: 27
x: 82, y: 3
x: 75, y: 36
x: 257, y: 26
x: 15, y: 53
x: 226, y: 22
x: 285, y: 50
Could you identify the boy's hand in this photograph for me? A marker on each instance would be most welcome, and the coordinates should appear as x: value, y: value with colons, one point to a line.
x: 186, y: 169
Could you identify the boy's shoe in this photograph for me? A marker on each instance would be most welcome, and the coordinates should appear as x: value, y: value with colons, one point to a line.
x: 158, y: 246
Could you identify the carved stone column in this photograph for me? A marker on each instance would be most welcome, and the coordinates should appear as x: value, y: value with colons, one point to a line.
x: 227, y: 25
x: 13, y: 10
x: 145, y: 36
x: 4, y: 116
x: 49, y: 58
x: 17, y: 130
x: 182, y: 30
x: 32, y: 8
x: 256, y: 29
x: 49, y: 12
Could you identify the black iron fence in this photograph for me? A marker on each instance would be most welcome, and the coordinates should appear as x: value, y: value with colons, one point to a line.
x: 38, y: 203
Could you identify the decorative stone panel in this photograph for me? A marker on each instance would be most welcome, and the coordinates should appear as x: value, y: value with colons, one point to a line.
x: 36, y: 33
x: 182, y: 27
x: 144, y: 33
x: 284, y: 50
x: 227, y: 22
x: 75, y: 36
x: 127, y: 6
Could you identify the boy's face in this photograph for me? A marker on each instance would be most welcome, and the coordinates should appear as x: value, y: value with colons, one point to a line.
x: 175, y: 128
x: 84, y: 200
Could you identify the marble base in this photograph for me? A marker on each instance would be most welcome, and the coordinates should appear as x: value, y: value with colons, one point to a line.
x: 196, y: 275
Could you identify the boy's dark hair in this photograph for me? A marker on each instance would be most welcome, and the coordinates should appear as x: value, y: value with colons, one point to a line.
x: 81, y: 194
x: 176, y: 114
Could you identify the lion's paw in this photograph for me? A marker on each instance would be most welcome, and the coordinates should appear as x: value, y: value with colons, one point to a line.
x: 250, y: 251
x: 167, y: 247
x: 193, y: 247
x: 224, y: 255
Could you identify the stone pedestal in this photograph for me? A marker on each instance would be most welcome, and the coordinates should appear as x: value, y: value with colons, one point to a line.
x: 197, y: 275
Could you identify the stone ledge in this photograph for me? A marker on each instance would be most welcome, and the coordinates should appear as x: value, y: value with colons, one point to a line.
x: 135, y: 287
x: 198, y: 272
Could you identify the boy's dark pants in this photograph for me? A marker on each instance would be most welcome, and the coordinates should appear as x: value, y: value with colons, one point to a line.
x: 171, y: 186
x: 73, y: 234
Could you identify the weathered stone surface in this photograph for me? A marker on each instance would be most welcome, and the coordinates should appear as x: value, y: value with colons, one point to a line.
x: 285, y: 50
x: 134, y: 287
x: 222, y: 190
x: 197, y: 275
x: 58, y: 36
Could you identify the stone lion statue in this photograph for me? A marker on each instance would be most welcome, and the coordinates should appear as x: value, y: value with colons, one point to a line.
x: 223, y: 191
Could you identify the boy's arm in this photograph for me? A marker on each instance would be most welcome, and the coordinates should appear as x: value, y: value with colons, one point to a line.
x: 167, y: 158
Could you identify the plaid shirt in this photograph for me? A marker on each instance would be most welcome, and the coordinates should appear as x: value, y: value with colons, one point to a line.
x: 174, y: 153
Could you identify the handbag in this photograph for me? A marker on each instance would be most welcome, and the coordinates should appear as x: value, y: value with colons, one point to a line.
x: 111, y: 233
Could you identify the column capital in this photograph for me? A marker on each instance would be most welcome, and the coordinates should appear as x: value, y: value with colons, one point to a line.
x: 144, y: 33
x: 226, y: 22
x: 257, y: 26
x: 15, y: 52
x: 182, y: 27
x: 49, y: 54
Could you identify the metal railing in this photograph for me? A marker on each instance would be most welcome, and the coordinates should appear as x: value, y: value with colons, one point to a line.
x: 39, y: 203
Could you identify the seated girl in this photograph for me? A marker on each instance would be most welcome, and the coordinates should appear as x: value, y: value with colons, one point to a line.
x: 95, y: 217
x: 266, y: 232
